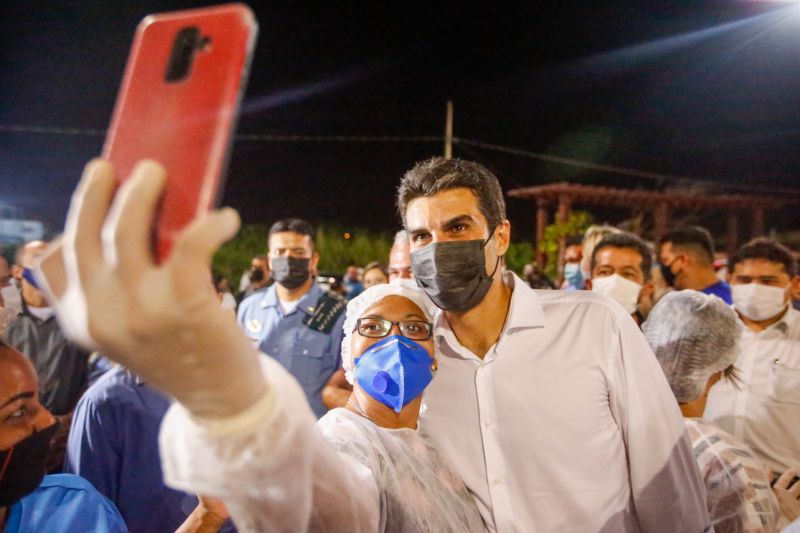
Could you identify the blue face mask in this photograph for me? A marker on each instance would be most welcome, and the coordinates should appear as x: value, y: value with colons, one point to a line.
x: 574, y: 275
x: 27, y: 274
x: 394, y: 371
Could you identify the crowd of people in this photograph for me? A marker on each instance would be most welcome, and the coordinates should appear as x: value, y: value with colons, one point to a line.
x: 654, y: 386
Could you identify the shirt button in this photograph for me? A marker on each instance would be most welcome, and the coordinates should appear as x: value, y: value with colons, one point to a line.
x: 487, y: 423
x: 496, y: 481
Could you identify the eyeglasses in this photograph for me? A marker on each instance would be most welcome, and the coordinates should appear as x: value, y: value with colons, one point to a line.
x: 376, y: 328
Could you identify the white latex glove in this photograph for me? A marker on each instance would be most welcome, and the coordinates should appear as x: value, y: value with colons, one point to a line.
x: 163, y: 322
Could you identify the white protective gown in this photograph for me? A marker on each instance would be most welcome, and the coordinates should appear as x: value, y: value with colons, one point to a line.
x: 277, y: 470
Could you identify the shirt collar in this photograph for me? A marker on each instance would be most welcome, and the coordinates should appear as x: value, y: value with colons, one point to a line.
x: 524, y: 312
x: 307, y: 304
x: 526, y: 307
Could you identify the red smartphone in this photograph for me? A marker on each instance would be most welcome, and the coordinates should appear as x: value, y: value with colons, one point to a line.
x: 178, y: 104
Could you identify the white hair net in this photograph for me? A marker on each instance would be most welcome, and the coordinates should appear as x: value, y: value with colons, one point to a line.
x: 370, y: 297
x: 693, y: 335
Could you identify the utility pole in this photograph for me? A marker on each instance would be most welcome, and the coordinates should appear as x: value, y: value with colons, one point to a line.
x: 448, y: 132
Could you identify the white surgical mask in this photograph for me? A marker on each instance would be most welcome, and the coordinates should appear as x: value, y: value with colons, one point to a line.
x: 623, y: 290
x: 757, y: 301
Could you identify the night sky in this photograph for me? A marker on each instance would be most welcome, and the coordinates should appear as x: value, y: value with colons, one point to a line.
x: 702, y: 90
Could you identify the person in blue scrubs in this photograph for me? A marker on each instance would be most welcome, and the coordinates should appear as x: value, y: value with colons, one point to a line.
x: 113, y: 443
x: 295, y: 321
x: 29, y: 500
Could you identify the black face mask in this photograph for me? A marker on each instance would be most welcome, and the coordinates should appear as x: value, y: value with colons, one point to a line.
x: 453, y: 273
x: 23, y: 466
x: 291, y: 272
x: 667, y: 274
x: 256, y: 275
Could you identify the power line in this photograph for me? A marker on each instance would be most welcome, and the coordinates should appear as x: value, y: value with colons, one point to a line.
x: 280, y: 137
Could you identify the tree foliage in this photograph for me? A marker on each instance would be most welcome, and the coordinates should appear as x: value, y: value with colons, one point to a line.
x: 577, y: 223
x: 518, y: 255
x: 336, y: 251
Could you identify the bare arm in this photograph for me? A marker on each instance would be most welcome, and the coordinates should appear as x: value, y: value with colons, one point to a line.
x: 208, y: 517
x: 336, y: 391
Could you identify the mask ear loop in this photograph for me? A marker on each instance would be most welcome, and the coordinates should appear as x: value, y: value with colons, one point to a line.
x: 489, y: 238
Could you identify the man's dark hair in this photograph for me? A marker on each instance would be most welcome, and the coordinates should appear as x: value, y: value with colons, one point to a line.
x: 631, y: 242
x: 767, y: 249
x: 294, y: 225
x: 439, y: 174
x: 574, y: 240
x: 694, y: 238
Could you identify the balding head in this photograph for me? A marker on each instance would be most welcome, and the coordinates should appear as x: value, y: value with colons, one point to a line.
x: 10, y: 357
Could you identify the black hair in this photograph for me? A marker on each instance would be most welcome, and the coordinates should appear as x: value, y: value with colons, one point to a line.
x: 694, y: 238
x: 438, y: 174
x: 768, y: 249
x: 574, y: 240
x: 293, y: 225
x: 631, y: 242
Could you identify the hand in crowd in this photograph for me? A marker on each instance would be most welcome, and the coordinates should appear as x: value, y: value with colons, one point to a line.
x: 161, y: 321
x: 208, y: 517
x: 788, y: 496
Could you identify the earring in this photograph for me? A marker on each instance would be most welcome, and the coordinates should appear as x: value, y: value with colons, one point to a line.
x: 434, y: 365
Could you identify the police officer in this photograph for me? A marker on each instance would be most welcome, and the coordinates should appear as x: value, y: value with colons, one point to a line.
x: 295, y: 321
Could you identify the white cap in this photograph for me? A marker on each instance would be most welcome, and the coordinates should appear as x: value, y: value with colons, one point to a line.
x: 694, y: 336
x: 370, y: 297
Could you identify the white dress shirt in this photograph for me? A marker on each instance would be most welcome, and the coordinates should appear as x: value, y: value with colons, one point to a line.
x: 764, y: 409
x: 567, y: 424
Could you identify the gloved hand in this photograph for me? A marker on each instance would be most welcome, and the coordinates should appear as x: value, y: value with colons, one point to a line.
x: 161, y: 321
x: 788, y: 493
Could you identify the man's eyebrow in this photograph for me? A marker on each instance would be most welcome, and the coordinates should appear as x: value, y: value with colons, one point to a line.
x: 460, y: 219
x: 20, y: 396
x: 415, y: 315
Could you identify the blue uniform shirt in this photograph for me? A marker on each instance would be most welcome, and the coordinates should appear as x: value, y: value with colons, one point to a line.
x: 311, y: 356
x: 721, y: 289
x: 113, y: 443
x: 66, y: 504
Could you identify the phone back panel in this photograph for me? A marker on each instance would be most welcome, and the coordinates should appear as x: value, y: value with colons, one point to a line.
x: 187, y: 124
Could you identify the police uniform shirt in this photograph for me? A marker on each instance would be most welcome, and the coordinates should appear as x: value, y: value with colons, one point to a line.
x: 306, y: 341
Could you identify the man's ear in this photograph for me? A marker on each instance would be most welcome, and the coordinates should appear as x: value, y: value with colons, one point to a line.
x: 502, y: 236
x: 588, y: 284
x: 314, y: 262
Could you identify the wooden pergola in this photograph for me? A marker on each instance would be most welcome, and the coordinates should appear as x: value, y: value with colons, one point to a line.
x: 660, y: 205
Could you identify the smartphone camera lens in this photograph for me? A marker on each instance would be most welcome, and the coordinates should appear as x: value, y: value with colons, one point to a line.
x: 186, y: 42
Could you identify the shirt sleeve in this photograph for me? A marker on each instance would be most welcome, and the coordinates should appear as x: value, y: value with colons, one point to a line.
x: 270, y: 465
x: 666, y: 486
x: 91, y: 452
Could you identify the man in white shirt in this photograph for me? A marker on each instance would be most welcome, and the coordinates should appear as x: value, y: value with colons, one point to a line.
x: 550, y: 405
x: 763, y: 409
